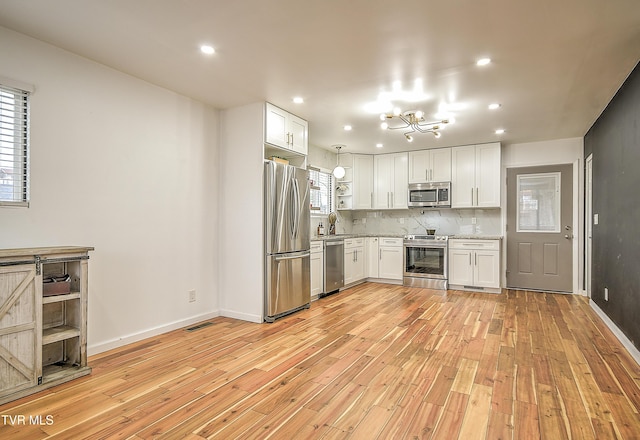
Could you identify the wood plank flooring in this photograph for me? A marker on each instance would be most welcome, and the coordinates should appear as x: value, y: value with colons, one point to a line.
x: 372, y: 362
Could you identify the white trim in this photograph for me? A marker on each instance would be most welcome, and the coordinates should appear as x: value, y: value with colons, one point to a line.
x: 242, y: 316
x: 633, y: 351
x: 588, y: 232
x: 135, y: 337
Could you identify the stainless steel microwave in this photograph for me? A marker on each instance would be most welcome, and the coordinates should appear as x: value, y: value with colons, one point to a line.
x: 430, y: 195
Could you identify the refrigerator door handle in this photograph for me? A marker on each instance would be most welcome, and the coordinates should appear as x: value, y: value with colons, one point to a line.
x: 296, y: 192
x: 290, y: 202
x: 293, y: 257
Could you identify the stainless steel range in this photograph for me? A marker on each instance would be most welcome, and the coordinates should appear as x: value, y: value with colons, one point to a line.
x: 425, y: 261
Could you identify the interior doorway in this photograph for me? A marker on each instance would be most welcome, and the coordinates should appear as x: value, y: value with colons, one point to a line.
x: 540, y: 228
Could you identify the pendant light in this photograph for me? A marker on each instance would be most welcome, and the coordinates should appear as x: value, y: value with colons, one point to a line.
x: 338, y: 171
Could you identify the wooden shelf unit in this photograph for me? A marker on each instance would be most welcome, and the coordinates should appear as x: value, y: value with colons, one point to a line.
x: 43, y: 339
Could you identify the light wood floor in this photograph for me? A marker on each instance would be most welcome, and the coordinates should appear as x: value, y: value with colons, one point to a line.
x: 373, y: 362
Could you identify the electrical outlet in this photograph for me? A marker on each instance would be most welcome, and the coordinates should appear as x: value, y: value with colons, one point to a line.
x: 192, y: 296
x: 596, y: 219
x: 606, y: 294
x: 474, y: 220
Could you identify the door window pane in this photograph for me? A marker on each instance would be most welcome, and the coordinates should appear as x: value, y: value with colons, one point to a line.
x: 539, y: 202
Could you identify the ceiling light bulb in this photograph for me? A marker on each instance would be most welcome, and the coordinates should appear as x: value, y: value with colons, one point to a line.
x: 419, y: 114
x: 207, y: 49
x: 383, y: 117
x: 397, y: 111
x: 437, y: 134
x: 483, y: 61
x: 494, y: 106
x: 348, y: 128
x: 384, y: 125
x: 500, y: 131
x: 409, y: 138
x: 298, y: 100
x: 379, y: 145
x: 339, y: 172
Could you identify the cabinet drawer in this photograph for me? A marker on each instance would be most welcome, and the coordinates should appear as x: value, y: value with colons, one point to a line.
x: 316, y: 246
x: 474, y: 244
x: 388, y: 241
x: 353, y: 243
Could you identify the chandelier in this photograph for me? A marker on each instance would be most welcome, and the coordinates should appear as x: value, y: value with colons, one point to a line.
x: 413, y: 121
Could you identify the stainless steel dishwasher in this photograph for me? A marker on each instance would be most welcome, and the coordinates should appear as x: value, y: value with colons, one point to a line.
x: 333, y: 266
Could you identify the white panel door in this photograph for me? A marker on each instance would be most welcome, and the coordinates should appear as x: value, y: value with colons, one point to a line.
x: 383, y: 173
x: 362, y: 181
x: 372, y: 252
x: 276, y: 126
x: 399, y: 190
x: 463, y: 170
x: 487, y: 268
x: 487, y: 176
x: 420, y: 166
x: 299, y: 133
x: 390, y: 266
x: 317, y: 273
x: 441, y: 165
x: 460, y: 267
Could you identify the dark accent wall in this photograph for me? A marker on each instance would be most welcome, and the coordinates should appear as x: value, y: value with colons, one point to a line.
x: 614, y: 141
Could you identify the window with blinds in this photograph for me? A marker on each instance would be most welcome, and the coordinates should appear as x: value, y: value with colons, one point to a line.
x: 14, y: 146
x: 321, y: 193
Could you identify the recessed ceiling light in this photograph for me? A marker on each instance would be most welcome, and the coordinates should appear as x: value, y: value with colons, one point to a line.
x: 298, y: 100
x: 379, y: 145
x: 207, y: 49
x: 500, y: 131
x: 348, y: 128
x: 483, y: 61
x: 494, y: 106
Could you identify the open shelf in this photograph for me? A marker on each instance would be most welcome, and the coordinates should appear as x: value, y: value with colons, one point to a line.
x: 58, y: 298
x: 60, y: 333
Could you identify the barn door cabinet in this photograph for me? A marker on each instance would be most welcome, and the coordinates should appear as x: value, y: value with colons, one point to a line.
x: 43, y: 318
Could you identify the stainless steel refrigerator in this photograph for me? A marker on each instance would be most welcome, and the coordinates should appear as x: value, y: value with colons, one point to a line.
x: 287, y: 240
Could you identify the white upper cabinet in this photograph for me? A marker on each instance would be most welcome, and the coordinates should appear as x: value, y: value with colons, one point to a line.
x: 362, y: 181
x: 475, y: 176
x: 430, y: 165
x: 390, y: 181
x: 286, y: 130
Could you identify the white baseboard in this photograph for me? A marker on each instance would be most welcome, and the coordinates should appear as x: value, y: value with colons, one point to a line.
x: 242, y: 316
x: 633, y: 351
x: 135, y: 337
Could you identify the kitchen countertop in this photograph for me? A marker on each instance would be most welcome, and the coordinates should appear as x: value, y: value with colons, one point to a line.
x: 457, y: 236
x: 476, y: 237
x: 347, y: 236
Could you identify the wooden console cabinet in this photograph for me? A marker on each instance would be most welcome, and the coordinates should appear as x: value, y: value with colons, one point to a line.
x: 43, y: 318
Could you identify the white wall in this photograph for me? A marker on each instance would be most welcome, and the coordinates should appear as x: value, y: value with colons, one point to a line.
x: 240, y: 233
x: 126, y: 167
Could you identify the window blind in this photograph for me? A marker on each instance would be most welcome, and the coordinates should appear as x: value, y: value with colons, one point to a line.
x: 321, y: 194
x: 14, y: 146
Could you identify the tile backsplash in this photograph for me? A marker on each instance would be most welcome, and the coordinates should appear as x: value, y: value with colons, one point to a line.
x: 416, y: 221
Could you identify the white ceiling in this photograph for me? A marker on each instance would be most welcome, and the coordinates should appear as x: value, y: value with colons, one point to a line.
x: 556, y: 63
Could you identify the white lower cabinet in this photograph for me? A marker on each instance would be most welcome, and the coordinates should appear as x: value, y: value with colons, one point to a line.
x: 474, y: 264
x: 354, y: 260
x: 390, y: 258
x: 317, y: 268
x: 371, y: 250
